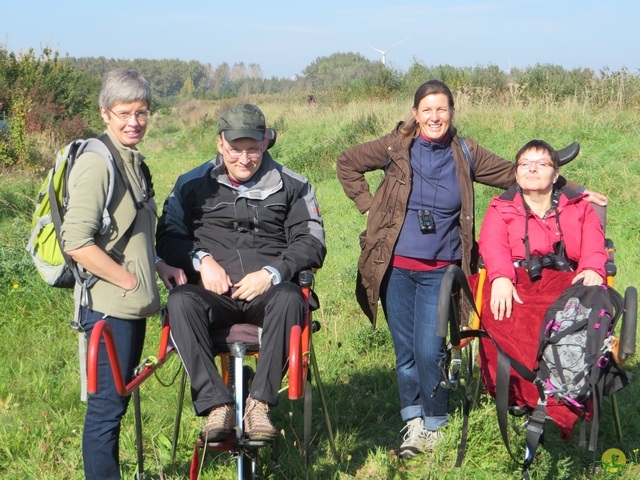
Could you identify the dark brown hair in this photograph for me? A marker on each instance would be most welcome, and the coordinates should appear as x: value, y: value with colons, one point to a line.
x: 540, y: 145
x: 431, y: 87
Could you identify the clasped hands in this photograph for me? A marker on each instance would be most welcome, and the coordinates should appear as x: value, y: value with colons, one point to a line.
x: 216, y: 280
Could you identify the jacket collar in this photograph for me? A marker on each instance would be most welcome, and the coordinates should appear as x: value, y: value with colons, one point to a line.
x: 265, y: 182
x: 567, y: 196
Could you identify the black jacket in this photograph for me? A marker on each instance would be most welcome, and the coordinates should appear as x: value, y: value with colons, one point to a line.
x: 274, y: 222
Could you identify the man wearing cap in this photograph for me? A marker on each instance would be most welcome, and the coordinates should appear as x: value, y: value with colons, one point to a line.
x: 241, y: 226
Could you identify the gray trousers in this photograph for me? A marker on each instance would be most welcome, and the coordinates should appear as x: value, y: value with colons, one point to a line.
x: 194, y: 312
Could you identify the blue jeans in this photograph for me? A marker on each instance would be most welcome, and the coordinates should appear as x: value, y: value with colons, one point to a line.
x: 107, y: 407
x: 410, y: 303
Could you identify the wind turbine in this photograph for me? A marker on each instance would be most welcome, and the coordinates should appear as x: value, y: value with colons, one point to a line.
x: 383, y: 52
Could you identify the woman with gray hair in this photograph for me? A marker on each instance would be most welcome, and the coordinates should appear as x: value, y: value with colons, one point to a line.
x: 122, y: 257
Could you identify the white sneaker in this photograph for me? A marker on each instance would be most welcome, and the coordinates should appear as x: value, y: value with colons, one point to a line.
x: 415, y: 438
x: 433, y: 437
x: 418, y: 439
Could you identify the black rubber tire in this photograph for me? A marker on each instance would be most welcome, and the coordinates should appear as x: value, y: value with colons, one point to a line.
x: 629, y: 325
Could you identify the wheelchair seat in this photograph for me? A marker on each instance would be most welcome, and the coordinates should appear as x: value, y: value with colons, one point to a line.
x: 518, y: 337
x: 245, y: 333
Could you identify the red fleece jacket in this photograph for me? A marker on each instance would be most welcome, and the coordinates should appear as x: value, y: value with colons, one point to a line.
x: 502, y: 233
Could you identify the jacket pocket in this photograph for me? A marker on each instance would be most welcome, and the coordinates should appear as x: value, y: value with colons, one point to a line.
x: 362, y: 239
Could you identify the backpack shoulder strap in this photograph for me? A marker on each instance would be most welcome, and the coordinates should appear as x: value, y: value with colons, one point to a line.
x: 125, y: 178
x: 467, y: 154
x: 148, y: 179
x: 94, y: 145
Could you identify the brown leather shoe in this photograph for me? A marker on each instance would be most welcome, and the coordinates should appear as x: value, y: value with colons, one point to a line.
x: 257, y: 425
x: 218, y: 424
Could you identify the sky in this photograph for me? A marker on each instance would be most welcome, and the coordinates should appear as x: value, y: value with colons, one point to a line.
x: 284, y: 36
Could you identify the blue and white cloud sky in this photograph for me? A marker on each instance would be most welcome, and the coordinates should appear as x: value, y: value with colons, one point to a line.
x: 283, y: 37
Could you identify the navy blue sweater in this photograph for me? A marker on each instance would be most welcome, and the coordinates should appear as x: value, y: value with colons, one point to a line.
x: 435, y: 188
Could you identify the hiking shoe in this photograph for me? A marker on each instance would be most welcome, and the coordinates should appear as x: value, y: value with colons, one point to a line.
x: 418, y: 439
x: 433, y: 438
x: 218, y: 424
x: 415, y: 438
x: 257, y: 425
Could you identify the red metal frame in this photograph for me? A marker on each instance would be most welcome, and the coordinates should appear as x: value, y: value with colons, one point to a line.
x: 299, y: 354
x: 102, y: 329
x: 299, y: 351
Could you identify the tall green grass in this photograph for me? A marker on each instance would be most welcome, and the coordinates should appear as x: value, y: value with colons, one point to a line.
x: 41, y: 417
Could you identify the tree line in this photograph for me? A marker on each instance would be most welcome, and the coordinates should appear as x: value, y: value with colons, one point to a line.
x: 47, y: 98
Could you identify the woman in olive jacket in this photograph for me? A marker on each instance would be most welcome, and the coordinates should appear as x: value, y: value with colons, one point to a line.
x: 420, y: 220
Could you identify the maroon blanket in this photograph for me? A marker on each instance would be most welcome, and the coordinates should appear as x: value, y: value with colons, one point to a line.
x: 518, y: 336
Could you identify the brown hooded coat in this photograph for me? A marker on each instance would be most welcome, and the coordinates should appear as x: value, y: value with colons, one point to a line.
x: 388, y: 206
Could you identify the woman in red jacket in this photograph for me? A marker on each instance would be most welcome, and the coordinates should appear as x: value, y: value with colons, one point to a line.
x: 534, y: 224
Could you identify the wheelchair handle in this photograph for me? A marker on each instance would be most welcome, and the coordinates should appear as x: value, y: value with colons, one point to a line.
x: 568, y: 153
x: 305, y: 278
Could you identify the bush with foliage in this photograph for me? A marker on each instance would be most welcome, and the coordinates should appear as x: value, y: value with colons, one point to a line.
x: 41, y: 94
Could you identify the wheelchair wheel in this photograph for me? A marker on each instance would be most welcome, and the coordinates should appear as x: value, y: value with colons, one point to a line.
x: 629, y: 324
x: 295, y: 362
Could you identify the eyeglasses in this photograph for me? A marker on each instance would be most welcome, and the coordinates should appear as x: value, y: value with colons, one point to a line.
x: 539, y: 164
x: 235, y: 154
x: 142, y: 116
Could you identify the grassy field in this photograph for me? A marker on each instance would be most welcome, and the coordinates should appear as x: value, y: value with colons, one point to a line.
x: 41, y: 417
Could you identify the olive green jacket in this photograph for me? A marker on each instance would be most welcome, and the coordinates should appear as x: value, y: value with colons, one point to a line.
x: 88, y: 182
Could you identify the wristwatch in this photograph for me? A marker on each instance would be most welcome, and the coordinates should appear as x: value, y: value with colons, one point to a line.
x: 272, y: 276
x: 192, y: 253
x: 197, y: 255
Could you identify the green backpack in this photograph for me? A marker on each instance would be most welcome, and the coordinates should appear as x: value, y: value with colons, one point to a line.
x: 54, y: 266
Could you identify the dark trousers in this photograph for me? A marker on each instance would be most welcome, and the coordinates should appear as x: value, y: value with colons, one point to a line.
x: 194, y: 312
x: 106, y: 408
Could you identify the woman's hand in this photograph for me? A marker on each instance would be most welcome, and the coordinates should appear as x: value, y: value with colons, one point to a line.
x: 588, y: 277
x: 170, y: 276
x: 595, y: 197
x: 503, y: 292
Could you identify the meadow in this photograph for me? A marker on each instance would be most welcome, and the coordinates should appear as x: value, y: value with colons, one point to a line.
x: 41, y: 416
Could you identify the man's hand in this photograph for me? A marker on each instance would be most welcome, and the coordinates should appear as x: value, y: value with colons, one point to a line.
x: 214, y: 277
x: 502, y: 295
x: 170, y: 276
x: 595, y: 197
x: 589, y: 278
x: 252, y: 285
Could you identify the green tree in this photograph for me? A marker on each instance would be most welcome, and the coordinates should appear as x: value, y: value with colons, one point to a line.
x: 188, y: 88
x: 339, y: 68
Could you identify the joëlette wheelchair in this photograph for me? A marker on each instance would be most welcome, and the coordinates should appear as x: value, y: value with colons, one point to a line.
x: 452, y: 323
x: 232, y: 345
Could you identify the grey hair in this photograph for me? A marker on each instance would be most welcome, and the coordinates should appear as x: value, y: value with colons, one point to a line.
x: 124, y: 86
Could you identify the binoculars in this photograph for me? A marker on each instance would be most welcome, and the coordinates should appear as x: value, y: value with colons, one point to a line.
x: 426, y: 221
x: 536, y: 263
